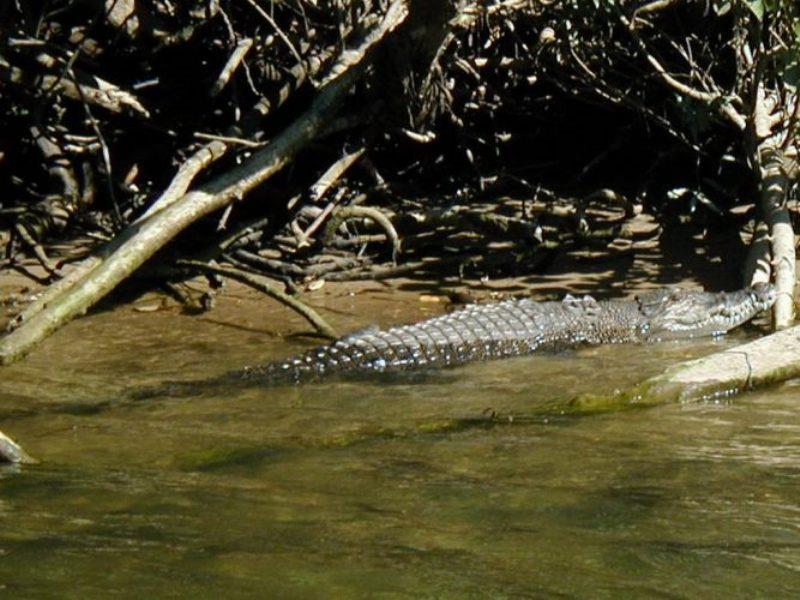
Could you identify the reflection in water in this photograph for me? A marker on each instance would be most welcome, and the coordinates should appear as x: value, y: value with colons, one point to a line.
x: 350, y: 488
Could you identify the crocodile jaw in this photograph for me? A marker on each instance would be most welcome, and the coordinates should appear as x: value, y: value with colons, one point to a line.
x: 688, y: 314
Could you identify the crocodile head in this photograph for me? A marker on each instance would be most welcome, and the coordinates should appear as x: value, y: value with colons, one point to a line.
x: 677, y: 313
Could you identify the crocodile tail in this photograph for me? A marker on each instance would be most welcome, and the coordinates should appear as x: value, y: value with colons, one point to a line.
x: 350, y: 353
x: 308, y: 367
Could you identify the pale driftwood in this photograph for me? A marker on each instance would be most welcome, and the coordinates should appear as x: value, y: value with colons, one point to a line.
x: 769, y: 360
x: 12, y: 452
x: 139, y: 242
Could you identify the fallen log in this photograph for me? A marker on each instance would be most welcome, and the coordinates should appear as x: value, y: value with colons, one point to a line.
x: 769, y: 360
x: 11, y: 452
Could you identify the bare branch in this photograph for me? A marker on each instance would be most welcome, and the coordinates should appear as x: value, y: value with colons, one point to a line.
x: 259, y: 284
x: 233, y: 62
x: 725, y: 107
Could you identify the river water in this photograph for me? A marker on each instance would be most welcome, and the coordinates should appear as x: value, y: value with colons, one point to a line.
x: 389, y: 488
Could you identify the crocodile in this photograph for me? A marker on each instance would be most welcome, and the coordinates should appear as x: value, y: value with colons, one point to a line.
x: 483, y: 332
x: 519, y: 327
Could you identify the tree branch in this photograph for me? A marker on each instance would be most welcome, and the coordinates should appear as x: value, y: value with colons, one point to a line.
x: 141, y: 240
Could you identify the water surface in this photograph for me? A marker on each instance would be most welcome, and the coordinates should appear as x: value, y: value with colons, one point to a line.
x: 387, y: 488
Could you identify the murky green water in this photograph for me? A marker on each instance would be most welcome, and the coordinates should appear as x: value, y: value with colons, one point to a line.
x: 376, y: 489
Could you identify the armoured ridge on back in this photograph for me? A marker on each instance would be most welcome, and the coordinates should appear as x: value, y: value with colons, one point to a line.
x: 520, y: 327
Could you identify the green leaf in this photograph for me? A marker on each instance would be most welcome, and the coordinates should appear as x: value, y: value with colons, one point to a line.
x: 756, y: 7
